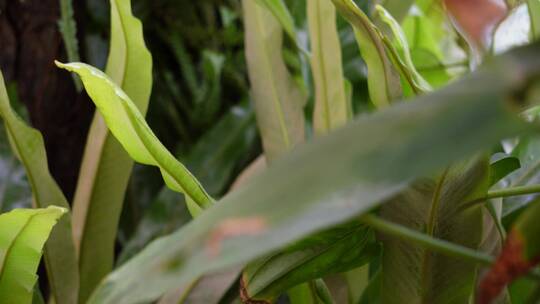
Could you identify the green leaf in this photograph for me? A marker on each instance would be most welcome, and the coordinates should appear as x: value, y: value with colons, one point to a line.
x: 23, y: 233
x: 129, y: 127
x: 417, y: 82
x: 426, y: 35
x: 282, y: 15
x: 372, y: 293
x: 213, y: 159
x: 277, y: 99
x: 377, y: 163
x: 534, y: 13
x: 503, y: 167
x: 357, y: 281
x: 412, y: 274
x: 527, y: 151
x: 302, y: 294
x: 60, y: 255
x: 383, y: 79
x: 337, y: 250
x: 106, y: 167
x: 398, y: 8
x: 522, y: 290
x: 15, y: 190
x: 331, y: 102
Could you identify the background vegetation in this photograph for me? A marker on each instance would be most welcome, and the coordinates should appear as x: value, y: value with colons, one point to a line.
x: 400, y: 145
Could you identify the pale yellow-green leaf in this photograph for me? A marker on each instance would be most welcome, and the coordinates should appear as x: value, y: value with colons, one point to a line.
x: 106, y: 167
x: 383, y: 79
x: 23, y: 233
x: 277, y: 98
x: 129, y: 127
x: 331, y: 102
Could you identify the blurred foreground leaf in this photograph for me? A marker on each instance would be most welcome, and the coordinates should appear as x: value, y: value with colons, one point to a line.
x: 347, y: 173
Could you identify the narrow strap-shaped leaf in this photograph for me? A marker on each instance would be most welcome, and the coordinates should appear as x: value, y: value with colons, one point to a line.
x: 534, y: 13
x: 309, y: 193
x: 398, y: 8
x: 383, y: 79
x: 277, y: 98
x: 60, y: 256
x: 106, y: 167
x: 417, y: 82
x: 279, y: 9
x: 331, y: 102
x: 129, y: 127
x: 22, y: 235
x: 337, y: 250
x: 286, y: 269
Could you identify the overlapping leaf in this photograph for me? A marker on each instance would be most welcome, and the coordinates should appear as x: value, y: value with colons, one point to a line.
x: 416, y: 81
x: 337, y: 250
x: 331, y: 102
x: 23, y: 233
x: 534, y: 12
x: 383, y: 79
x: 106, y: 167
x: 128, y: 125
x: 60, y: 256
x: 279, y: 9
x: 277, y: 98
x: 256, y: 219
x: 437, y: 207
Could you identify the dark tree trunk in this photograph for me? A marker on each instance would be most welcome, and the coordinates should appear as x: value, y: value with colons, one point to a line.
x: 29, y: 43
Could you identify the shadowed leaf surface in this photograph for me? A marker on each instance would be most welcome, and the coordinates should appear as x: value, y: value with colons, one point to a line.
x: 256, y: 220
x: 60, y: 256
x: 436, y: 207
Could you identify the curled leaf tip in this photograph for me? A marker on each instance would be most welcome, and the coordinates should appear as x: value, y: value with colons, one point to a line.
x: 59, y: 64
x: 58, y: 209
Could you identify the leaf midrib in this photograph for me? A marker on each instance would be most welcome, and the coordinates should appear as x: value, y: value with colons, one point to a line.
x: 12, y: 244
x: 276, y: 99
x: 430, y: 231
x: 322, y: 61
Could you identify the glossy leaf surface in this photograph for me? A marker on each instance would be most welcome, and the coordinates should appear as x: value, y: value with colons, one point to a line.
x: 23, y: 233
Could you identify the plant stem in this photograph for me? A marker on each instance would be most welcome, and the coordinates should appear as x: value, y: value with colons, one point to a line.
x: 426, y: 241
x: 437, y: 245
x: 514, y: 191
